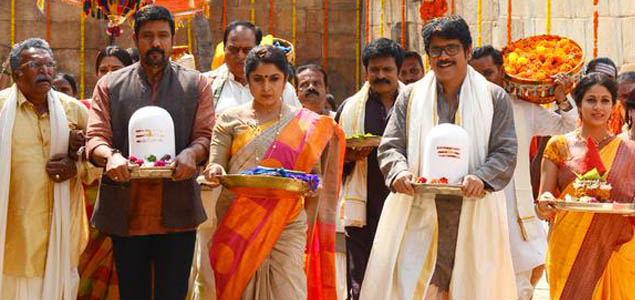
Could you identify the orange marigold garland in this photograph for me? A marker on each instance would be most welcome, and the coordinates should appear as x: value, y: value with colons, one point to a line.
x: 358, y: 41
x: 596, y: 21
x: 453, y: 7
x: 431, y: 9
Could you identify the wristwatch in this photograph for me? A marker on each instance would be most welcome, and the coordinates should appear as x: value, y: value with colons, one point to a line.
x: 565, y: 105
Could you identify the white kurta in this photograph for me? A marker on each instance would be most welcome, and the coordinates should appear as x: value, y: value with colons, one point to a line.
x: 234, y: 93
x: 534, y: 121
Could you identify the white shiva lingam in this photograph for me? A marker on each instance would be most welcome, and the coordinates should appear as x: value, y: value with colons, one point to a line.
x: 446, y: 153
x: 151, y: 133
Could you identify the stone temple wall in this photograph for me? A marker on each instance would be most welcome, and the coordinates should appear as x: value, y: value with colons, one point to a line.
x: 571, y: 18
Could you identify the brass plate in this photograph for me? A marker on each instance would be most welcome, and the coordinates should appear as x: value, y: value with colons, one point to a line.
x: 600, y: 208
x: 260, y: 181
x: 439, y: 189
x: 371, y: 141
x: 137, y: 172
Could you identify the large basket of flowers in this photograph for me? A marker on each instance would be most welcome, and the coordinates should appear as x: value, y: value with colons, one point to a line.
x: 531, y: 64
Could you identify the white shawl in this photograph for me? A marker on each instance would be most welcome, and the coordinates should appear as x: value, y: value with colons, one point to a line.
x: 353, y: 196
x: 60, y: 278
x: 404, y: 251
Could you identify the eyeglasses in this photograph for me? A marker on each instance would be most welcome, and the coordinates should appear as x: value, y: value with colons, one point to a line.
x: 36, y: 65
x: 450, y: 50
x: 234, y: 50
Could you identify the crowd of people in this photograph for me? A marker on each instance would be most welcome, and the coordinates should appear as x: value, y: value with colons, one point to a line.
x: 364, y: 233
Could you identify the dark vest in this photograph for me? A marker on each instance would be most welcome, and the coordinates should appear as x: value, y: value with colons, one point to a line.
x: 178, y: 94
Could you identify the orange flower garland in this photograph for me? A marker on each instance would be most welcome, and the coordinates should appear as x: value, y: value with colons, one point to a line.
x: 431, y: 9
x: 453, y: 7
x: 326, y: 35
x: 541, y: 57
x: 367, y: 25
x: 596, y: 21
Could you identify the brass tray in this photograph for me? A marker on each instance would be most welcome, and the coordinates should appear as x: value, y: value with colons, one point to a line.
x: 260, y: 181
x: 361, y: 142
x: 439, y: 189
x: 137, y: 172
x: 600, y: 208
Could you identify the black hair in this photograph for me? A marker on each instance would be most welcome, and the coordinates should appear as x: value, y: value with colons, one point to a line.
x: 488, y: 50
x: 313, y: 67
x: 591, y: 80
x: 234, y: 25
x: 416, y: 55
x: 153, y: 13
x: 626, y: 77
x: 266, y: 55
x: 600, y: 60
x: 451, y: 27
x: 630, y: 104
x: 383, y: 47
x: 121, y: 54
x: 69, y: 78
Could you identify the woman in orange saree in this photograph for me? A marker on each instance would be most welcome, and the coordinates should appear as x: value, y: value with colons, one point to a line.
x: 258, y: 250
x: 590, y: 256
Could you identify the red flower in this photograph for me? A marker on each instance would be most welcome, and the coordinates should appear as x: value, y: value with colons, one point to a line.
x: 422, y: 180
x: 431, y: 9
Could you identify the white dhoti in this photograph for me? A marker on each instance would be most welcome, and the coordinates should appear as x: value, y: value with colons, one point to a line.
x: 404, y: 250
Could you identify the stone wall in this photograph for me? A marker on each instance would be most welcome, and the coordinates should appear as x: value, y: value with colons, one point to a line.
x: 571, y: 18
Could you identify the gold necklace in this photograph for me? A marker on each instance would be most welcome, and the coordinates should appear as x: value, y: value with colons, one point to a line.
x: 597, y: 143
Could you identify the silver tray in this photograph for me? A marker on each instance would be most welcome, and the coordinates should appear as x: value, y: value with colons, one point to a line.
x: 439, y: 189
x: 361, y: 142
x: 600, y: 208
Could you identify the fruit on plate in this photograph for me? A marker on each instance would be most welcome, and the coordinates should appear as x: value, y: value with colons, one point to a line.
x: 360, y: 136
x: 151, y: 160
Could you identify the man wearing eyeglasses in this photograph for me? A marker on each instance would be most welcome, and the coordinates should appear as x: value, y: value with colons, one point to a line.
x: 229, y: 85
x: 43, y: 222
x: 446, y: 245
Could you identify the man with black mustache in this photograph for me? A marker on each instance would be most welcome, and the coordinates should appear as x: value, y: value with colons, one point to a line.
x: 312, y: 82
x: 152, y: 222
x: 440, y: 246
x: 43, y: 222
x: 364, y: 190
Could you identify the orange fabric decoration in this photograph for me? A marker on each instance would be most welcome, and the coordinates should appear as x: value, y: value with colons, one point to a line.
x: 431, y: 9
x: 272, y: 17
x: 326, y: 35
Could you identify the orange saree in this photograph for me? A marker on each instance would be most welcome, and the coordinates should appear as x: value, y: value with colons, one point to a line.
x: 257, y: 223
x: 592, y: 256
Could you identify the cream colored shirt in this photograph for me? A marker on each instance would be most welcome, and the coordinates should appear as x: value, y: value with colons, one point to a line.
x: 31, y: 189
